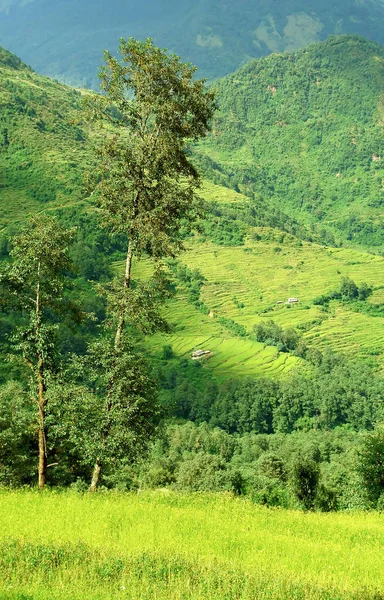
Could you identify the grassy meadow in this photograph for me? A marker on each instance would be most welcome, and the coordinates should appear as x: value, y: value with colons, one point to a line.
x: 163, y: 545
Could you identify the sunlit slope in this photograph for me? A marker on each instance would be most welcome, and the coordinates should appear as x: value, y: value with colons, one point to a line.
x: 258, y: 276
x: 305, y: 132
x: 44, y: 144
x: 232, y: 356
x: 245, y: 283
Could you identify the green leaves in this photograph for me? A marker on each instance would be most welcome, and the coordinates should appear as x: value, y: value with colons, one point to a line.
x: 107, y: 404
x: 146, y: 182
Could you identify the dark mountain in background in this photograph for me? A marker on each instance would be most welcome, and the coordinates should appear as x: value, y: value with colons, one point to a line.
x: 65, y: 38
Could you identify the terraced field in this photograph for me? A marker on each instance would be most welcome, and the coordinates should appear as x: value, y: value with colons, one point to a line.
x: 244, y: 283
x: 231, y: 356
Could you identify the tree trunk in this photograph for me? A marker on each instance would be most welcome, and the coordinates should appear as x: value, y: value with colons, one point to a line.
x: 119, y: 332
x: 42, y: 467
x: 127, y: 285
x: 95, y: 476
x: 42, y: 444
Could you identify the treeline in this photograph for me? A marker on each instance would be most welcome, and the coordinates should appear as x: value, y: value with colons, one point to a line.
x: 309, y: 468
x: 321, y: 470
x: 334, y: 392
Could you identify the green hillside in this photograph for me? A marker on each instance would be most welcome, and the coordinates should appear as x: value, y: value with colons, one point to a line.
x: 251, y: 252
x: 244, y: 283
x: 67, y: 38
x: 304, y: 131
x: 43, y: 144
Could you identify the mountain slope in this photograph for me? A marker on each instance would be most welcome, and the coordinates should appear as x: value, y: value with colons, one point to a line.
x: 246, y: 250
x: 65, y: 39
x: 43, y: 144
x: 305, y: 131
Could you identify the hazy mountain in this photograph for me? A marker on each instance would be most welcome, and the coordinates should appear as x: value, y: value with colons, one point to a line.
x: 65, y: 38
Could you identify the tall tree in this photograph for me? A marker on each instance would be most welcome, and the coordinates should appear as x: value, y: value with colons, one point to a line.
x: 33, y: 284
x: 150, y: 106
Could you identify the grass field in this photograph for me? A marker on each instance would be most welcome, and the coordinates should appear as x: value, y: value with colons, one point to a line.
x: 163, y: 545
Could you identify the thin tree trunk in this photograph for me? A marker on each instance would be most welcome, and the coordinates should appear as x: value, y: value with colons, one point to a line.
x: 119, y: 332
x: 42, y: 467
x: 127, y: 285
x: 95, y: 476
x: 42, y: 444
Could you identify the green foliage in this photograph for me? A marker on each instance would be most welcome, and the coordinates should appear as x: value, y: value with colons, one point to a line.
x: 347, y: 292
x: 191, y: 281
x: 286, y: 340
x: 349, y: 289
x: 304, y: 480
x: 311, y: 470
x: 335, y: 393
x: 233, y: 327
x: 147, y: 184
x: 33, y: 284
x: 310, y: 104
x: 371, y: 464
x: 17, y: 432
x: 104, y: 406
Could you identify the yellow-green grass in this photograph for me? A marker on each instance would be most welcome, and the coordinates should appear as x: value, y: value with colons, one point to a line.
x: 164, y: 545
x: 258, y: 276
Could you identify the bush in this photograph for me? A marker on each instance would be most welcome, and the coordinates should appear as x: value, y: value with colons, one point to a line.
x: 203, y: 473
x: 371, y: 464
x: 326, y: 499
x: 270, y: 492
x: 305, y: 477
x: 167, y: 352
x: 348, y: 289
x: 272, y: 466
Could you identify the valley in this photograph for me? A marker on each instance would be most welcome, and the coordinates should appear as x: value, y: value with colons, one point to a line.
x: 66, y: 40
x: 196, y: 378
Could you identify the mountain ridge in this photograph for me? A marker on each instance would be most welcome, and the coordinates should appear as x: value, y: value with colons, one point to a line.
x: 305, y: 131
x: 65, y: 40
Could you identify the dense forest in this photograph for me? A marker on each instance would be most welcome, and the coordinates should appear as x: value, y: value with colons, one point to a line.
x: 303, y: 127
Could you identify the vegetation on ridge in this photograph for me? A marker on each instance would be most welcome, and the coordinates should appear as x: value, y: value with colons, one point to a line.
x: 304, y: 132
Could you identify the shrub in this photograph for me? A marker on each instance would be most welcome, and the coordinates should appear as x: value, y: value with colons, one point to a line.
x: 370, y: 464
x: 305, y: 477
